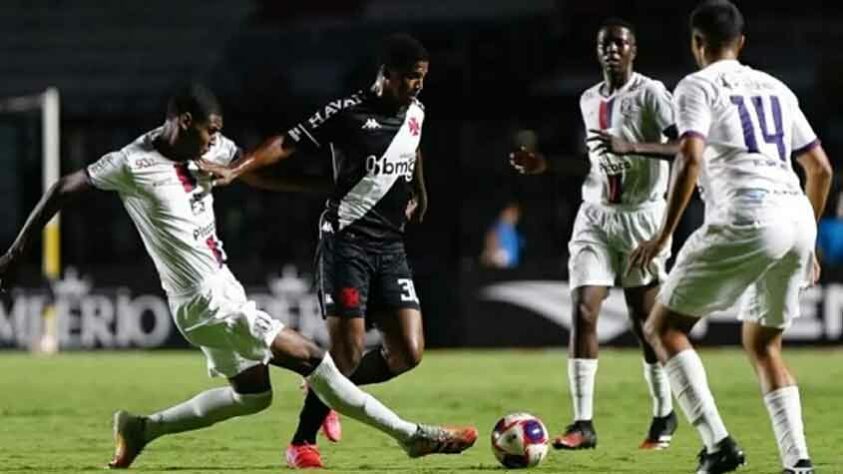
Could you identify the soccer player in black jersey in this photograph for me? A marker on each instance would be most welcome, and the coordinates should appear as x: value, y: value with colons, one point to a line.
x: 362, y: 270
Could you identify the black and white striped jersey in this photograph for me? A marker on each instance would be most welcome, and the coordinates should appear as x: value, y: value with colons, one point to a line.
x: 373, y: 149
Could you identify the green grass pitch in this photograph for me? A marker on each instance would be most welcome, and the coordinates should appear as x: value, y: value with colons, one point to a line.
x: 55, y: 412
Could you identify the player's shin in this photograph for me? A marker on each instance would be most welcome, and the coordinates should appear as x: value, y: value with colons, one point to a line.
x: 312, y: 414
x: 342, y: 395
x: 205, y: 409
x: 581, y: 374
x: 785, y: 409
x: 690, y: 387
x: 659, y: 385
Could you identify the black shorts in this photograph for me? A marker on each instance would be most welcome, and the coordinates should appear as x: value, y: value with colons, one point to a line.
x: 354, y: 277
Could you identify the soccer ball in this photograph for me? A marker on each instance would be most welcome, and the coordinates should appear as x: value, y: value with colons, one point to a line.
x: 519, y: 440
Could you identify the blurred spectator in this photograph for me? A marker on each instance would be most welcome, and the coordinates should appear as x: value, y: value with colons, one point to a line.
x: 503, y: 243
x: 830, y: 236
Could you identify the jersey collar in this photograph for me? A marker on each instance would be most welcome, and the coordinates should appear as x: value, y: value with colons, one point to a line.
x: 724, y: 63
x: 633, y: 79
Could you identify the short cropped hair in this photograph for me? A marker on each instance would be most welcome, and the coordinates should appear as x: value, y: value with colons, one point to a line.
x: 401, y: 52
x: 719, y: 21
x: 194, y: 98
x: 616, y: 21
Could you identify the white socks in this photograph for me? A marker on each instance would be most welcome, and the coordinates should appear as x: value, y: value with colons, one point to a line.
x: 215, y: 405
x: 785, y: 411
x: 690, y: 387
x: 656, y: 377
x: 205, y: 409
x: 581, y: 375
x: 581, y: 382
x: 339, y: 393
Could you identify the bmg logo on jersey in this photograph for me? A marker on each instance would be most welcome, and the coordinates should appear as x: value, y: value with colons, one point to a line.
x: 379, y: 166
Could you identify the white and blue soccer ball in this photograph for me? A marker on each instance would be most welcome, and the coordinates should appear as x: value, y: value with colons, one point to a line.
x: 520, y: 440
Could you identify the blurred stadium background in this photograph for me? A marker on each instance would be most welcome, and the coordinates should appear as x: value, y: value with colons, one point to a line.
x: 498, y: 66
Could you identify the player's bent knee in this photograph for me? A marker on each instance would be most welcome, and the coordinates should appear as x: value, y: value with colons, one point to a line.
x: 585, y: 317
x: 291, y: 344
x: 760, y: 351
x: 293, y: 351
x: 251, y: 403
x: 405, y: 361
x: 414, y: 358
x: 761, y: 342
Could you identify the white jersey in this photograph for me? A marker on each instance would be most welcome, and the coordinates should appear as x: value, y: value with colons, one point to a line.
x: 752, y: 125
x: 171, y: 205
x: 638, y: 112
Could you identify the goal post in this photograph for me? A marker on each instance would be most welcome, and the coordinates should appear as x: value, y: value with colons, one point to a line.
x: 51, y: 172
x: 51, y: 250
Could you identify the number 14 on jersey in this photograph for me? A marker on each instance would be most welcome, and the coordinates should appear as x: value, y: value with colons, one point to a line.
x: 774, y: 137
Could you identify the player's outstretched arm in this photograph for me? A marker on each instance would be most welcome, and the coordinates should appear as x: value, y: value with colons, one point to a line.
x: 818, y: 174
x: 51, y: 202
x: 605, y: 142
x: 686, y: 170
x: 263, y: 180
x: 272, y: 150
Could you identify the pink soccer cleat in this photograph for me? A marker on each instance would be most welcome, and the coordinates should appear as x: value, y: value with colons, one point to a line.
x: 331, y: 427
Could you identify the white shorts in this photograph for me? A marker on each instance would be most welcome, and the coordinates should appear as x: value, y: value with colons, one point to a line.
x: 769, y: 260
x: 602, y: 239
x: 230, y: 330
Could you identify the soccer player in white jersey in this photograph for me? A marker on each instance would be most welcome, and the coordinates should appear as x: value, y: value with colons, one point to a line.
x: 739, y: 130
x: 171, y: 205
x: 629, y: 121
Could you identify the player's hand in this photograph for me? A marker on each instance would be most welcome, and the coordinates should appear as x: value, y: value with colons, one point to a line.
x: 223, y: 175
x: 412, y: 204
x: 608, y: 143
x: 527, y: 162
x: 8, y: 270
x: 416, y: 209
x: 644, y: 254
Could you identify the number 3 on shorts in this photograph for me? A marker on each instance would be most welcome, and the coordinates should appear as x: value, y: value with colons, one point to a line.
x: 408, y: 291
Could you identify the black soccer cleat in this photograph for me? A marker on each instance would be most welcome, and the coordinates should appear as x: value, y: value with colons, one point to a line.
x: 661, y: 432
x: 728, y: 457
x: 579, y: 435
x: 804, y: 466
